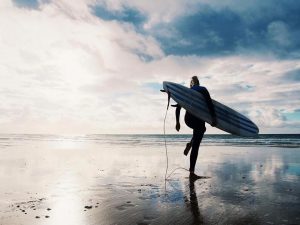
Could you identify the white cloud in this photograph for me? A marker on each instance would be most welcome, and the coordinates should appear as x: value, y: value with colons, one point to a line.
x: 63, y: 70
x: 49, y: 55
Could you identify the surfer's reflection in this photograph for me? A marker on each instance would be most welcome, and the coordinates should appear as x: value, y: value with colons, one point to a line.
x: 192, y: 203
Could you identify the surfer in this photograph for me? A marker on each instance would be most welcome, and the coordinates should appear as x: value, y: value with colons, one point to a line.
x: 196, y: 124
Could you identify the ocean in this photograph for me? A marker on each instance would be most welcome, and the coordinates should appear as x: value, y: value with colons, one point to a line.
x: 270, y: 140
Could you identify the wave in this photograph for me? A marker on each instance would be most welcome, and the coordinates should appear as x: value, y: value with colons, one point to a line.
x: 272, y: 140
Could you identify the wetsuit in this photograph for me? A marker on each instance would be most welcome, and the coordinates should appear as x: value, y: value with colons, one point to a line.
x: 196, y: 124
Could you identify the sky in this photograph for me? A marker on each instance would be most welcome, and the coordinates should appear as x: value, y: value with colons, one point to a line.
x: 96, y: 66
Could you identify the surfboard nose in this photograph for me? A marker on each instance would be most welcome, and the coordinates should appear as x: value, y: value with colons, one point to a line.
x: 165, y: 85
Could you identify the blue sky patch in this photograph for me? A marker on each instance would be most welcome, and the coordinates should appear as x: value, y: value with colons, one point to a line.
x: 144, y: 57
x: 154, y: 86
x: 128, y: 15
x: 294, y: 116
x: 292, y: 76
x: 27, y: 3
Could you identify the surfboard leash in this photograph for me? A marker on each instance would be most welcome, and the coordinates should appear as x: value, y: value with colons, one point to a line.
x: 166, y: 148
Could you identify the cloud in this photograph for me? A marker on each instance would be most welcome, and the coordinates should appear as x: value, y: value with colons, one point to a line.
x: 224, y: 31
x: 291, y: 76
x: 218, y: 28
x: 203, y: 33
x: 278, y: 32
x: 50, y: 58
x: 66, y: 68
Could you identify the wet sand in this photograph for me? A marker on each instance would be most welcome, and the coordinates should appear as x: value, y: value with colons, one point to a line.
x: 70, y: 182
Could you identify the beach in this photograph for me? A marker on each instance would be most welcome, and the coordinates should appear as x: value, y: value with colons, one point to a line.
x: 116, y: 179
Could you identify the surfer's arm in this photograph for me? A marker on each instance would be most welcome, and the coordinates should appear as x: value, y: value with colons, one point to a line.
x: 210, y: 106
x: 177, y: 113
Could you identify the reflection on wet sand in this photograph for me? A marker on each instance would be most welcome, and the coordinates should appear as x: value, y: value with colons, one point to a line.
x: 262, y: 188
x: 97, y: 185
x: 193, y: 203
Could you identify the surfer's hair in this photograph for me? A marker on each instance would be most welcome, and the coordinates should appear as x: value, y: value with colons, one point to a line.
x: 195, y: 80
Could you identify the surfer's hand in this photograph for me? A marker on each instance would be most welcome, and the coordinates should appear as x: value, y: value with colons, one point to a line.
x: 177, y: 126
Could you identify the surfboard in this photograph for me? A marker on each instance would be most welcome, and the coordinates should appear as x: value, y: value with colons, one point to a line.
x: 194, y: 102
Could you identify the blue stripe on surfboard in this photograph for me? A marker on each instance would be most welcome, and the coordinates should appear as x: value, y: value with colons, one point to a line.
x: 238, y: 118
x: 226, y: 120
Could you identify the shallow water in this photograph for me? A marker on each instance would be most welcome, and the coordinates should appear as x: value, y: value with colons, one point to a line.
x: 120, y: 180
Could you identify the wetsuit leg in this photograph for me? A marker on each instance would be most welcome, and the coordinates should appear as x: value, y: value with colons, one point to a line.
x: 197, y: 137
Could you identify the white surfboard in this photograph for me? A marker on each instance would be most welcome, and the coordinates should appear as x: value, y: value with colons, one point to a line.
x: 194, y: 102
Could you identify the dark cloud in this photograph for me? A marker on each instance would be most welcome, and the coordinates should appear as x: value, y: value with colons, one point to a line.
x: 205, y: 32
x: 264, y: 27
x: 271, y: 28
x: 127, y: 14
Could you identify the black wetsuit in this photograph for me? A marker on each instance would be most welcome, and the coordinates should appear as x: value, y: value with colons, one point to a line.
x: 196, y: 124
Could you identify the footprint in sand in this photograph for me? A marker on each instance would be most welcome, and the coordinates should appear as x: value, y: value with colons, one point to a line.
x: 142, y: 223
x: 150, y: 217
x: 128, y: 204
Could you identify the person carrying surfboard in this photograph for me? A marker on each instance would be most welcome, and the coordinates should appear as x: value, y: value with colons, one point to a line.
x: 196, y: 124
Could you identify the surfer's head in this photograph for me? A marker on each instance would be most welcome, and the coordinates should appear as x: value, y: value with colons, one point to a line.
x: 194, y: 81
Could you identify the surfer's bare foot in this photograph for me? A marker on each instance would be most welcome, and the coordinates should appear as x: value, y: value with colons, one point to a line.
x: 187, y: 148
x: 194, y: 177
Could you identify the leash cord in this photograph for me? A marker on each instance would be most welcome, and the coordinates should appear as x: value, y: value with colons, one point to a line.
x: 166, y: 148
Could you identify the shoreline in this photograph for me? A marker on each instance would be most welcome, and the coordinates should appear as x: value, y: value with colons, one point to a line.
x: 124, y: 184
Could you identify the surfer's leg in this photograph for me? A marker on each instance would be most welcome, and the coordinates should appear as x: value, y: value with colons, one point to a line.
x: 197, y: 137
x: 188, y: 147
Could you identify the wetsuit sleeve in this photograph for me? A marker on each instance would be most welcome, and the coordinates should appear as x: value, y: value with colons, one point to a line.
x: 209, y: 102
x: 177, y: 113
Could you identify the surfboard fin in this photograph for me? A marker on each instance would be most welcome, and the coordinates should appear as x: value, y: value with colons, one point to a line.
x: 169, y: 97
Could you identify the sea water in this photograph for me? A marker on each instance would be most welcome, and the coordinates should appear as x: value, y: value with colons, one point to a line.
x: 271, y: 140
